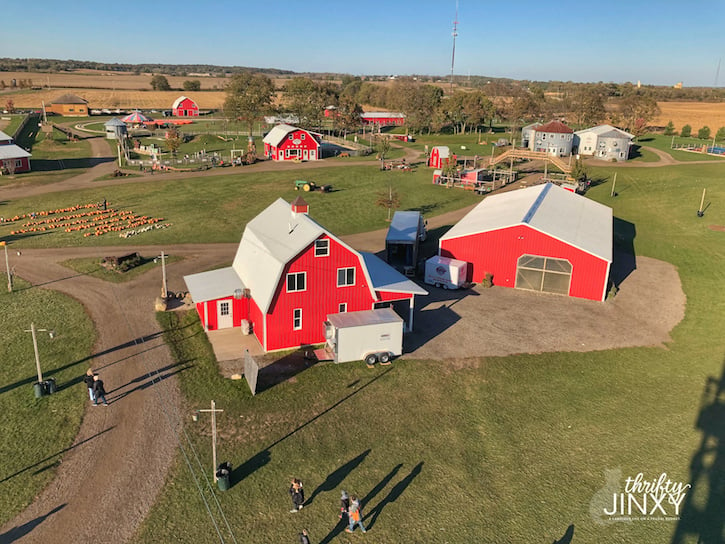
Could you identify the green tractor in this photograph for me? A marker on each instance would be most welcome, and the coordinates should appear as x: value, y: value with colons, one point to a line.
x: 308, y: 186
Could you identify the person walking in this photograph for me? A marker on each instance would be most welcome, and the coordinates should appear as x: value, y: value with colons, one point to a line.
x: 88, y: 379
x: 355, y: 515
x: 344, y: 504
x: 98, y: 391
x: 298, y: 495
x: 304, y: 537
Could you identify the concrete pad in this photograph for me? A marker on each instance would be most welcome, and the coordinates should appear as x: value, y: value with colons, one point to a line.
x: 230, y: 344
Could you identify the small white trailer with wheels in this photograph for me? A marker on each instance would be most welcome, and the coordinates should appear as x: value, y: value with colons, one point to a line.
x: 445, y: 272
x: 370, y: 335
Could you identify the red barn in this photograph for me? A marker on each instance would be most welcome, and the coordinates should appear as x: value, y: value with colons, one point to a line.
x: 13, y: 158
x: 543, y: 238
x: 287, y: 143
x: 184, y: 107
x: 382, y: 118
x: 289, y: 274
x: 438, y: 156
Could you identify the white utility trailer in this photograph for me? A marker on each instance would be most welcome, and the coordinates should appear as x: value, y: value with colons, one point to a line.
x: 445, y: 272
x: 370, y: 335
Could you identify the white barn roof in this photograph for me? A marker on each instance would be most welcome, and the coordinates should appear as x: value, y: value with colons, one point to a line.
x: 443, y: 151
x: 571, y: 218
x: 278, y: 133
x: 5, y: 137
x: 179, y: 100
x: 12, y: 151
x: 382, y: 115
x: 403, y: 228
x: 605, y: 130
x: 214, y: 284
x: 385, y: 278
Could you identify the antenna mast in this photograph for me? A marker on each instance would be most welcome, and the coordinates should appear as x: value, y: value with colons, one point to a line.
x: 455, y: 33
x: 717, y: 72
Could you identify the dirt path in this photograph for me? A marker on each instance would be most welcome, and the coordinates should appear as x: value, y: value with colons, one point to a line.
x: 665, y: 159
x: 128, y: 446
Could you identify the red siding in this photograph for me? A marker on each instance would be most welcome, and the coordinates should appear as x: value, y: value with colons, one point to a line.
x: 321, y: 297
x: 186, y: 108
x: 498, y: 251
x: 309, y: 143
x: 211, y: 315
x: 200, y: 310
x: 384, y: 296
x: 24, y: 165
x: 434, y: 160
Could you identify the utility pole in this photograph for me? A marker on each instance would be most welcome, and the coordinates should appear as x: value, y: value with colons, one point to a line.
x: 213, y: 435
x: 164, y: 292
x: 33, y: 330
x: 7, y: 267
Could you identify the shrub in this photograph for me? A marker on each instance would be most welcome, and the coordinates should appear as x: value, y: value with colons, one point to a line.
x: 686, y: 131
x: 704, y: 133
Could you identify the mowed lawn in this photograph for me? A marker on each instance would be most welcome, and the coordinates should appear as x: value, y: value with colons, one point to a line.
x: 498, y: 450
x: 38, y: 432
x: 216, y: 208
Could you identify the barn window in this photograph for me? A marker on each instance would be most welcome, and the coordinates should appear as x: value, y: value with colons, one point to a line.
x: 293, y: 152
x: 545, y: 274
x: 342, y: 308
x: 345, y: 276
x: 296, y: 282
x: 18, y: 163
x: 322, y: 248
x: 302, y: 136
x: 223, y: 308
x: 297, y: 319
x: 290, y: 137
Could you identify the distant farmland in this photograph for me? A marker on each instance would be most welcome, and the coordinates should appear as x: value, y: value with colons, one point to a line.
x: 695, y: 114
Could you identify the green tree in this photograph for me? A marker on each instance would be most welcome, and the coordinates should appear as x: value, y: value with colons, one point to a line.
x: 418, y: 102
x: 670, y: 129
x: 704, y: 133
x: 720, y: 135
x: 173, y: 140
x: 638, y: 110
x: 160, y: 83
x: 307, y: 100
x: 587, y: 106
x: 686, y: 131
x: 383, y: 148
x: 579, y: 171
x: 249, y: 97
x: 192, y: 85
x: 347, y: 115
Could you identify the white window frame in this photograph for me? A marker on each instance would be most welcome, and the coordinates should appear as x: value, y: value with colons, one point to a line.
x: 296, y: 276
x: 342, y: 308
x: 322, y: 248
x: 293, y: 153
x: 345, y: 270
x: 224, y: 308
x: 297, y: 319
x: 302, y: 136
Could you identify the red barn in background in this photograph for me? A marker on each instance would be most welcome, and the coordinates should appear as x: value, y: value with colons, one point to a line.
x: 13, y: 158
x: 289, y: 274
x: 382, y: 118
x: 543, y: 238
x: 438, y: 156
x: 184, y: 107
x: 287, y: 143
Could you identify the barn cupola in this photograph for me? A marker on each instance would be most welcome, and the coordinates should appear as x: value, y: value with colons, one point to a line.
x: 299, y: 206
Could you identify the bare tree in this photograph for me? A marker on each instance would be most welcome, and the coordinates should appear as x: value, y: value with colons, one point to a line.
x: 388, y: 199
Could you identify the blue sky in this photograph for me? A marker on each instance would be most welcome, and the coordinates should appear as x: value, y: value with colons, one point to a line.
x: 657, y: 42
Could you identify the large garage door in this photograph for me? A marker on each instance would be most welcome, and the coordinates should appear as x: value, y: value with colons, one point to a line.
x: 543, y: 274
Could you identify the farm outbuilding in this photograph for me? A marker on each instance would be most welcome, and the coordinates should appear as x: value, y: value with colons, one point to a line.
x: 115, y: 129
x: 13, y: 158
x: 69, y: 105
x: 438, y: 156
x: 289, y: 274
x: 382, y: 118
x: 287, y: 143
x: 406, y: 232
x: 184, y: 107
x: 543, y: 238
x: 604, y: 142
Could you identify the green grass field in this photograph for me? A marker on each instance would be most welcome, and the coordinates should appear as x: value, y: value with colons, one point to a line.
x: 37, y: 432
x: 508, y: 449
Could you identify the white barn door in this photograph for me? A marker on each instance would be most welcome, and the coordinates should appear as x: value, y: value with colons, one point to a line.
x: 224, y: 314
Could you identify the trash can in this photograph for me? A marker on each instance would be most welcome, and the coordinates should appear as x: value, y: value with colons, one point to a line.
x: 39, y: 389
x: 50, y: 386
x: 223, y: 473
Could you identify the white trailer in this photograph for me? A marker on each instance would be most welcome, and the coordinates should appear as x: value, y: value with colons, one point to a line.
x: 370, y: 335
x: 445, y: 272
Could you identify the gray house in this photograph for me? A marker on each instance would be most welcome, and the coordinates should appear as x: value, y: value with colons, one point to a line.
x: 603, y: 142
x: 554, y: 138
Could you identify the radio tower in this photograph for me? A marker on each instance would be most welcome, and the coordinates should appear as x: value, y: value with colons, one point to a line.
x: 455, y: 33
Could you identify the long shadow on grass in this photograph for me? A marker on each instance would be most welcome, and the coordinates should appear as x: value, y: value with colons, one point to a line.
x: 334, y: 479
x: 568, y: 535
x: 340, y: 527
x: 16, y: 533
x: 52, y: 457
x: 392, y: 496
x: 264, y: 455
x: 705, y: 522
x: 625, y: 260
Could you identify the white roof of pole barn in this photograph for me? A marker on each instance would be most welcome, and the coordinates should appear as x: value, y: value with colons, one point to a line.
x: 605, y: 130
x: 385, y: 278
x: 270, y: 241
x: 12, y: 151
x: 403, y: 228
x: 364, y: 317
x: 5, y: 137
x: 382, y: 115
x: 278, y: 133
x: 443, y: 151
x: 214, y: 284
x: 115, y: 122
x: 179, y: 100
x: 559, y: 213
